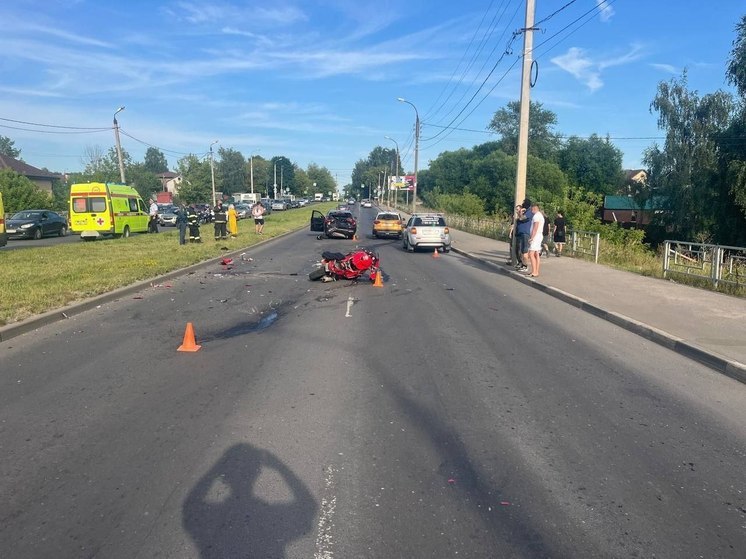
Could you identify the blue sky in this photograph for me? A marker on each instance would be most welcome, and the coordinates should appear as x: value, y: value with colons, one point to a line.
x: 317, y: 81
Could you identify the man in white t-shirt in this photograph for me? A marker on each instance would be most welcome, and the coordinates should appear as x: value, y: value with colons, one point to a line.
x: 535, y: 239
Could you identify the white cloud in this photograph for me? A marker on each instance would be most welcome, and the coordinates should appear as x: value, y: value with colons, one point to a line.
x: 584, y: 68
x: 606, y: 12
x: 668, y: 68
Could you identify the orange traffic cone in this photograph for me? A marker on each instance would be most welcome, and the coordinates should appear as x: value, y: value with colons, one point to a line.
x: 436, y: 254
x: 379, y: 280
x: 189, y: 344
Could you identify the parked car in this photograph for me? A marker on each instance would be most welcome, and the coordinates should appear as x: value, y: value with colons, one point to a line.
x: 279, y: 205
x: 388, y: 224
x: 35, y: 224
x: 426, y: 231
x: 168, y: 218
x: 242, y: 211
x: 303, y: 202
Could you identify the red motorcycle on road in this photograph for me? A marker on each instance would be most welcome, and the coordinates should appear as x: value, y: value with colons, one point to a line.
x: 350, y: 266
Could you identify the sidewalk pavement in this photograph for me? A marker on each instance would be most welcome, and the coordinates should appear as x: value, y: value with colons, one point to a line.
x: 703, y: 325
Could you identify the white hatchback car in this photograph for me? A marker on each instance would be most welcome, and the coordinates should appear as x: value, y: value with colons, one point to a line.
x: 426, y: 231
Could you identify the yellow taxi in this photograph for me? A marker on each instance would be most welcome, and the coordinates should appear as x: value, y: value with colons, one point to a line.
x: 388, y: 224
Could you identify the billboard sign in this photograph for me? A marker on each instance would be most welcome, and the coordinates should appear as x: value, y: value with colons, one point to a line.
x: 402, y: 183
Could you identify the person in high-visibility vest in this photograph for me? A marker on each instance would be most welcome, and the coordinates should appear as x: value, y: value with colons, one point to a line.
x: 193, y: 220
x: 221, y: 231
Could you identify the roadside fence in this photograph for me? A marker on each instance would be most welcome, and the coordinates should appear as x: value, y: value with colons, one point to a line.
x: 717, y: 264
x: 585, y: 243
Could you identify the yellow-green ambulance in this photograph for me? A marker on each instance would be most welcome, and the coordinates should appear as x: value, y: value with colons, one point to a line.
x: 103, y: 209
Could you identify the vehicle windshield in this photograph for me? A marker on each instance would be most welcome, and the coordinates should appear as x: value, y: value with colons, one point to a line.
x: 340, y: 214
x: 26, y: 215
x: 388, y: 217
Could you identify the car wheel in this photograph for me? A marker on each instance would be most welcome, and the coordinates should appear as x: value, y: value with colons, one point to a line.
x: 38, y: 234
x: 317, y: 274
x: 126, y: 232
x: 63, y: 231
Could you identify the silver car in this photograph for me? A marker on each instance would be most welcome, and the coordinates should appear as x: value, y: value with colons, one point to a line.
x: 426, y: 231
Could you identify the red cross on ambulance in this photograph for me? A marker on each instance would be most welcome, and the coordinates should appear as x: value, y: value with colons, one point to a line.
x: 100, y: 221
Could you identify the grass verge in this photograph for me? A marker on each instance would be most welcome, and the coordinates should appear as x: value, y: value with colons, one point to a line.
x: 36, y: 280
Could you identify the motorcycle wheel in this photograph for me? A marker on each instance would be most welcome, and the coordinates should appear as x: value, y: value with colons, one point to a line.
x: 317, y: 274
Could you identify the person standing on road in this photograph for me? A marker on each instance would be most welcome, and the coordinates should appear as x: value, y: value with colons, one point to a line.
x: 220, y: 222
x: 257, y: 212
x: 232, y: 221
x: 559, y: 233
x: 153, y: 217
x: 193, y: 220
x: 182, y: 221
x: 523, y: 227
x: 535, y: 239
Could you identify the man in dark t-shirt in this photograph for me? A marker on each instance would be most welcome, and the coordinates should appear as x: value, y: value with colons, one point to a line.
x: 559, y: 233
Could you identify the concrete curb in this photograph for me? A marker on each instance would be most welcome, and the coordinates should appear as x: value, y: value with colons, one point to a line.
x: 728, y: 367
x: 49, y: 317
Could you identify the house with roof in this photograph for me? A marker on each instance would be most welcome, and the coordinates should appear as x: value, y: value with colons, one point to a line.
x: 170, y: 181
x: 42, y: 179
x: 628, y: 212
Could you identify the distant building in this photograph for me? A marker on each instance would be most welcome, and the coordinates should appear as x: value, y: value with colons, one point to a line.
x: 42, y: 179
x: 626, y: 211
x: 170, y: 181
x: 636, y: 175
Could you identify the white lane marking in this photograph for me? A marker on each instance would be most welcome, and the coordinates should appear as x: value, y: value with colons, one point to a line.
x: 350, y: 302
x: 326, y: 518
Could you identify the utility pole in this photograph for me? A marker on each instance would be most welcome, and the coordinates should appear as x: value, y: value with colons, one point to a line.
x: 119, y: 145
x: 275, y: 184
x: 416, y: 150
x: 252, y: 172
x: 522, y: 156
x: 396, y: 190
x: 212, y: 175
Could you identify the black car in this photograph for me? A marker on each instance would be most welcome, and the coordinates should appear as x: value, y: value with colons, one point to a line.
x: 35, y: 224
x: 336, y: 224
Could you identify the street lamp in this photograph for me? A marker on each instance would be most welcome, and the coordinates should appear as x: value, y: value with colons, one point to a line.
x: 119, y: 145
x: 212, y: 175
x: 396, y: 191
x: 416, y: 149
x: 251, y: 159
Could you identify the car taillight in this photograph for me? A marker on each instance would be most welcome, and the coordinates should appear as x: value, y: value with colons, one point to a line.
x: 376, y: 221
x: 350, y: 221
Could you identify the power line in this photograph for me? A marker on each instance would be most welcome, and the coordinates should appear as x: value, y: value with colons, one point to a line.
x: 85, y: 131
x: 54, y: 125
x: 156, y: 147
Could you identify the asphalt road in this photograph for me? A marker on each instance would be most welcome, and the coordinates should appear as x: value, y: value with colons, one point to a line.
x: 452, y: 413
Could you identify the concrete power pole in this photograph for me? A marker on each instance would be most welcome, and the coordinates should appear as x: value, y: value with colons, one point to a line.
x: 522, y: 156
x: 119, y: 145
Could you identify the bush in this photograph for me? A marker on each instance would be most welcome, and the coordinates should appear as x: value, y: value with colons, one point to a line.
x: 20, y: 193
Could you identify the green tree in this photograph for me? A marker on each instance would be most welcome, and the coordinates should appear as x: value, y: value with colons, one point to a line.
x: 542, y: 141
x: 20, y: 193
x: 736, y: 69
x: 231, y: 168
x: 594, y: 164
x: 7, y: 147
x: 196, y: 183
x: 155, y: 161
x: 143, y: 180
x: 322, y: 177
x: 685, y: 171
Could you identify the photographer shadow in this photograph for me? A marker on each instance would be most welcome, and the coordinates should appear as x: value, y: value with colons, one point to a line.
x: 227, y: 518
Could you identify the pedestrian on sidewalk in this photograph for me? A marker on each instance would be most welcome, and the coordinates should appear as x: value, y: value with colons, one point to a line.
x: 535, y: 240
x: 559, y: 233
x: 523, y: 227
x: 514, y: 252
x: 545, y: 239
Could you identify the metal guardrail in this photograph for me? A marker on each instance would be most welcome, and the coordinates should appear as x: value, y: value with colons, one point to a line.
x: 718, y: 264
x: 586, y: 243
